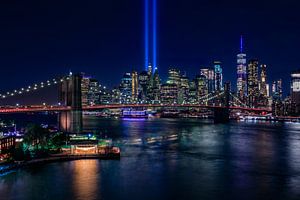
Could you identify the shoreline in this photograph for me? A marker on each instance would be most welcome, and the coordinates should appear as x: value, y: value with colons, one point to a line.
x: 56, y: 158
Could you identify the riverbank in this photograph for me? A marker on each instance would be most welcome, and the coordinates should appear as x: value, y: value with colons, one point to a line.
x: 55, y: 158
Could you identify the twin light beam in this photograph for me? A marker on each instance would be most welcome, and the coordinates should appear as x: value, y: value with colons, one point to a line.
x: 147, y: 24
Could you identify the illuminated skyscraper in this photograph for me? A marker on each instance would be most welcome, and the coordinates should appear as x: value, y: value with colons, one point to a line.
x: 85, y: 82
x: 279, y: 88
x: 201, y: 86
x: 144, y: 81
x: 253, y: 83
x: 241, y: 72
x: 295, y: 91
x: 90, y: 93
x: 263, y: 80
x: 156, y: 86
x: 210, y: 78
x: 134, y: 87
x: 126, y: 89
x: 268, y: 90
x: 174, y: 77
x: 169, y: 93
x: 94, y: 92
x: 273, y: 88
x: 183, y: 93
x: 218, y: 76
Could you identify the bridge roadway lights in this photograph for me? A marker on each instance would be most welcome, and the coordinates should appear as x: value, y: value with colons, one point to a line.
x: 221, y: 115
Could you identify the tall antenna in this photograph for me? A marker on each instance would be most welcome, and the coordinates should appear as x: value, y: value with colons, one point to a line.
x: 241, y: 47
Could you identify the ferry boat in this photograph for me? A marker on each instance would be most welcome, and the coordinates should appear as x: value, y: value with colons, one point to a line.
x: 134, y: 114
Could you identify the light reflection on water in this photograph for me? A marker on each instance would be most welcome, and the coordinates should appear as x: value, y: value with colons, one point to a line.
x: 175, y: 159
x: 86, y: 179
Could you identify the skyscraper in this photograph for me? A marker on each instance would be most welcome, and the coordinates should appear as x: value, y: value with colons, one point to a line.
x: 295, y: 91
x: 279, y: 88
x: 169, y: 93
x: 89, y: 91
x: 263, y: 80
x: 210, y: 78
x: 201, y: 86
x: 241, y: 72
x: 85, y: 82
x: 134, y: 86
x: 218, y: 76
x: 174, y: 76
x: 156, y: 86
x: 93, y: 92
x: 183, y: 90
x: 144, y: 81
x: 126, y: 88
x: 252, y: 83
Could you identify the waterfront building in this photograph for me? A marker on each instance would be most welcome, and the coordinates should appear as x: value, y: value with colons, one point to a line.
x: 253, y: 83
x: 295, y: 91
x: 277, y: 108
x: 241, y: 73
x: 218, y: 72
x: 169, y: 93
x: 126, y: 89
x: 6, y: 144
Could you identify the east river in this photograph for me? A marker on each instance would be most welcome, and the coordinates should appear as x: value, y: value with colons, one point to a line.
x: 173, y: 159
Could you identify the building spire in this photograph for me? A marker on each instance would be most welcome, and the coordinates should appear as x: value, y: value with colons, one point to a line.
x: 241, y: 45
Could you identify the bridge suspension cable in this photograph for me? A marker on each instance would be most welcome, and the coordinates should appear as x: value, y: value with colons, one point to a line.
x: 33, y: 87
x: 210, y: 96
x: 238, y: 100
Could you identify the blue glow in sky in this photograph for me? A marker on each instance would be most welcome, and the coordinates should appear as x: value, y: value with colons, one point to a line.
x: 154, y: 30
x: 146, y: 27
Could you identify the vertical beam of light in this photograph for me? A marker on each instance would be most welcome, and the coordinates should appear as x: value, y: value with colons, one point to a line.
x: 154, y: 31
x: 146, y: 24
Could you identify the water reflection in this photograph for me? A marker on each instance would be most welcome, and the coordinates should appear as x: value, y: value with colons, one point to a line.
x: 86, y: 179
x: 177, y: 159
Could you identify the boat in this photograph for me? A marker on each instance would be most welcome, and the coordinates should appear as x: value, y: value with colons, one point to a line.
x: 134, y: 114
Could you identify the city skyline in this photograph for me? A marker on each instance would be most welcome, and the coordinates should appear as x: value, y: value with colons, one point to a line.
x: 95, y: 57
x: 149, y: 99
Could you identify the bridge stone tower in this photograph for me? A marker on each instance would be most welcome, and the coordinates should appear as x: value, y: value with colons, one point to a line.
x: 221, y: 115
x: 70, y: 96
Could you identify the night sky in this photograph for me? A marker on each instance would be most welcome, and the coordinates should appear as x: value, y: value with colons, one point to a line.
x: 44, y: 39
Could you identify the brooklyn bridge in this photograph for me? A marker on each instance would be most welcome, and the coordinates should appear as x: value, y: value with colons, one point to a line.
x: 70, y: 107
